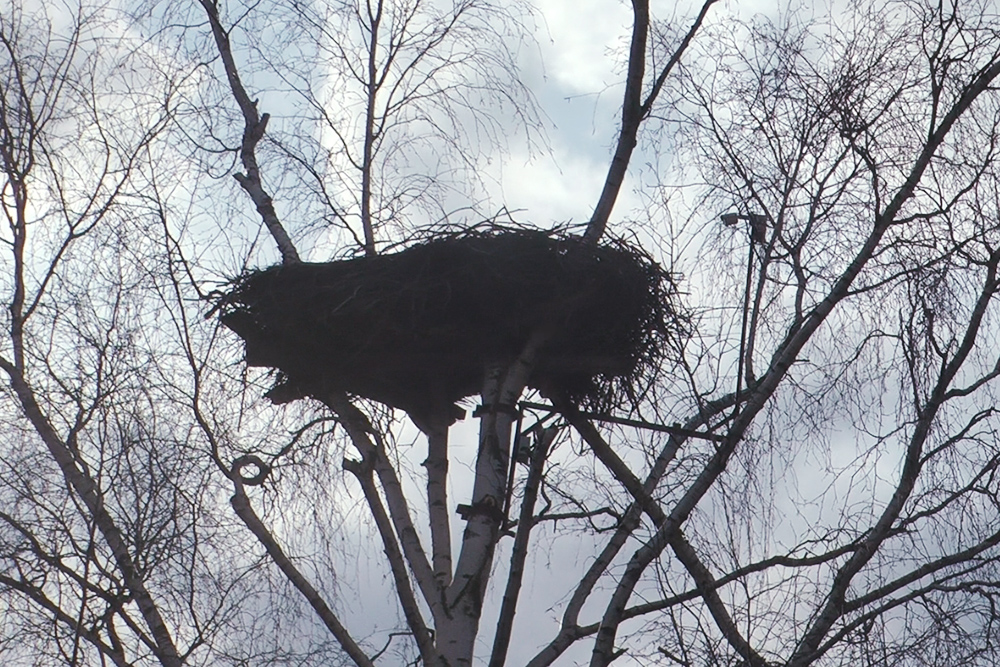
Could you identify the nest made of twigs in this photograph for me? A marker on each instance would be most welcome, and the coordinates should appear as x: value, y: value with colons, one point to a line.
x: 415, y: 329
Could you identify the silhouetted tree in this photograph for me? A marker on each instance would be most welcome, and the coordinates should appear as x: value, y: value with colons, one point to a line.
x: 810, y: 480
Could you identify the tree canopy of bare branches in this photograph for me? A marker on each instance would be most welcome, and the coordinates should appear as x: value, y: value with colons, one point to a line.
x: 809, y: 479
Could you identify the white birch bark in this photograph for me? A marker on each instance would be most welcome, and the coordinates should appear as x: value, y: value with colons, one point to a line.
x: 502, y: 387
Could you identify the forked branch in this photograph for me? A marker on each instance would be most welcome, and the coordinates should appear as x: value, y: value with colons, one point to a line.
x: 635, y: 109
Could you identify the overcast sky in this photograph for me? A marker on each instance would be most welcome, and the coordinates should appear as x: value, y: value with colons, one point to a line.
x: 575, y: 70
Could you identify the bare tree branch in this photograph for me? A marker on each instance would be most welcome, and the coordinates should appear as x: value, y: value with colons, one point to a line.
x: 255, y: 125
x: 241, y: 505
x: 635, y: 109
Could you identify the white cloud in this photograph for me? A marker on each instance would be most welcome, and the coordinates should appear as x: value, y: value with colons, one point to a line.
x: 583, y: 39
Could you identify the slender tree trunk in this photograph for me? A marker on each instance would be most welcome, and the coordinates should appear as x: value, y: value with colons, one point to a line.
x: 437, y: 501
x: 502, y: 387
x: 457, y: 635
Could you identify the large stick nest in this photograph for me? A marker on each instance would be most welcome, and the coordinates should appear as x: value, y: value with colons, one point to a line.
x: 416, y: 328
